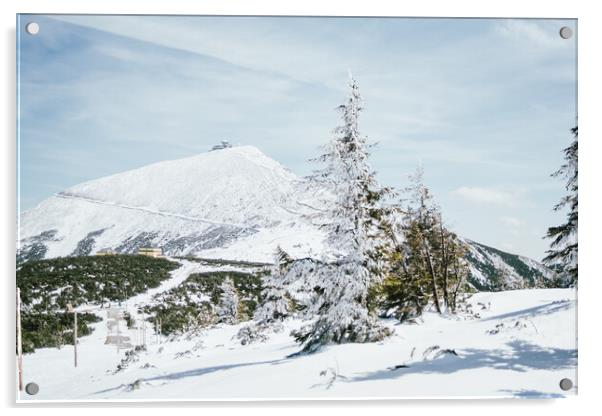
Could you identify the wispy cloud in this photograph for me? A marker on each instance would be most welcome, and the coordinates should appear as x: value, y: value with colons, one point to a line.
x: 532, y: 33
x: 495, y: 196
x: 512, y: 221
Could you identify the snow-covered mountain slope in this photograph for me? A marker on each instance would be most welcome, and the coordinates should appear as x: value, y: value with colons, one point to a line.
x: 183, y: 206
x: 493, y: 269
x: 234, y: 203
x: 521, y: 345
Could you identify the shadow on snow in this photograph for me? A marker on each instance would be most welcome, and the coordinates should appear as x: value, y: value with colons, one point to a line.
x: 520, y: 356
x: 533, y: 394
x: 546, y: 309
x: 194, y: 373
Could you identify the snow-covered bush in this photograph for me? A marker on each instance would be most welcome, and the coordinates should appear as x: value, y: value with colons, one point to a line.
x: 275, y: 304
x: 229, y: 303
x: 252, y: 333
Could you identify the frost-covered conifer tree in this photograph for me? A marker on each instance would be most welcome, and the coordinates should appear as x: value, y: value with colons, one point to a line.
x: 275, y: 305
x: 353, y: 230
x: 228, y: 306
x: 564, y: 245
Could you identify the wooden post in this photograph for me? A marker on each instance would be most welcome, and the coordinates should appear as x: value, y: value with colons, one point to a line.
x: 75, y: 338
x: 118, y: 320
x: 71, y: 309
x: 156, y: 331
x: 19, y: 345
x: 143, y: 330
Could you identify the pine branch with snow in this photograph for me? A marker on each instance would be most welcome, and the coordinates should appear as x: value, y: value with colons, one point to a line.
x: 564, y: 246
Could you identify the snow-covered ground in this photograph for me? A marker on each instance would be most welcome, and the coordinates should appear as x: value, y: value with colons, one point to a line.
x: 522, y: 345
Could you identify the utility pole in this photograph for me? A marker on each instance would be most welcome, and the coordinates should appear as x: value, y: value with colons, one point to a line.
x: 19, y: 345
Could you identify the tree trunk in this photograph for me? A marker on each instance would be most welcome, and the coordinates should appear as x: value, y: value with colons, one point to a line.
x: 458, y: 284
x: 429, y: 262
x: 445, y: 265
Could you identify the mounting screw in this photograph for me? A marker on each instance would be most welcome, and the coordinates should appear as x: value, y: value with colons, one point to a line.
x: 566, y: 384
x: 32, y: 389
x: 566, y: 32
x: 32, y: 28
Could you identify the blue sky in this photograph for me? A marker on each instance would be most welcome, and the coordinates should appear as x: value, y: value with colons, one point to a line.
x: 484, y: 105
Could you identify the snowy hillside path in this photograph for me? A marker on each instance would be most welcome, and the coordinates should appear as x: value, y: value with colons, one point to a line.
x: 178, y: 276
x: 151, y: 211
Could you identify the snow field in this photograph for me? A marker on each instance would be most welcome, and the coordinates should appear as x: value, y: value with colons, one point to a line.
x: 534, y: 347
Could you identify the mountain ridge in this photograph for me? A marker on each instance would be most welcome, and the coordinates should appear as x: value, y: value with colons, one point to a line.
x: 234, y: 203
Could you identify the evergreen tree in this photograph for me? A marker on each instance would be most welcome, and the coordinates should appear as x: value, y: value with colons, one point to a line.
x: 422, y: 227
x: 563, y: 248
x: 275, y: 305
x: 403, y: 293
x: 353, y: 229
x: 427, y: 262
x: 229, y: 303
x: 454, y: 267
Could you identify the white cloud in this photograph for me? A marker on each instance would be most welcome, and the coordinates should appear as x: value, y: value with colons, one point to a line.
x: 511, y: 221
x: 533, y: 33
x: 488, y: 195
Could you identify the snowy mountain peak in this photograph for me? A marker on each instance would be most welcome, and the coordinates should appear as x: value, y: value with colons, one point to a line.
x: 184, y: 205
x: 232, y: 185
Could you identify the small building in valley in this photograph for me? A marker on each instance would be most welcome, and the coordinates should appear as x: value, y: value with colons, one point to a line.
x: 150, y: 251
x: 106, y: 252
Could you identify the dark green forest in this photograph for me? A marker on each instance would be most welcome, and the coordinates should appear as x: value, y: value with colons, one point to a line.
x: 48, y: 286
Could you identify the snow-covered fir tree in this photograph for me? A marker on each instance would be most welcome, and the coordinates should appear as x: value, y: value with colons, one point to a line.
x: 229, y: 302
x: 275, y: 305
x: 564, y: 245
x: 353, y: 230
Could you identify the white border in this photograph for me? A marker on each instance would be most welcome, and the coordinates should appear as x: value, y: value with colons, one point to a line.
x: 590, y: 153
